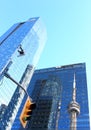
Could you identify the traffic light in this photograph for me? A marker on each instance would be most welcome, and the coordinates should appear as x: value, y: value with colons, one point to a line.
x: 27, y: 112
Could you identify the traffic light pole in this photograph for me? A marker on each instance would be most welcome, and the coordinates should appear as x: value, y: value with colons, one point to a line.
x: 18, y: 84
x: 25, y: 81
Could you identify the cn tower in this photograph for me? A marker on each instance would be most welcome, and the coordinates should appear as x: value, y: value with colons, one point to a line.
x: 73, y: 108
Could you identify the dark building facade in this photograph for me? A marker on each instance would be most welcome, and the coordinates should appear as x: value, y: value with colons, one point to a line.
x: 20, y: 49
x: 2, y: 110
x: 52, y: 90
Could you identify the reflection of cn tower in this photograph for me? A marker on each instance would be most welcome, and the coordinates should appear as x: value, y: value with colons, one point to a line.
x: 73, y: 108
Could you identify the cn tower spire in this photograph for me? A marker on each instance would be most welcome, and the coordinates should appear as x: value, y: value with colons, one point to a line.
x: 74, y: 89
x: 73, y: 108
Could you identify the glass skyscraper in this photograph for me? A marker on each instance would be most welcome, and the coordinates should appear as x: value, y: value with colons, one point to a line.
x: 52, y: 90
x: 20, y: 49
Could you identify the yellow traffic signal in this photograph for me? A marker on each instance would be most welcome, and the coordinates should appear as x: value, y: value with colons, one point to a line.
x: 27, y: 112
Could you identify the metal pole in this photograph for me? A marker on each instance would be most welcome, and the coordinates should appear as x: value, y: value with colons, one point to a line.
x: 18, y: 84
x: 25, y: 79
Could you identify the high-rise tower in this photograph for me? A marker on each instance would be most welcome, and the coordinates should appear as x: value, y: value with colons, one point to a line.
x: 20, y: 49
x: 74, y: 108
x: 52, y: 90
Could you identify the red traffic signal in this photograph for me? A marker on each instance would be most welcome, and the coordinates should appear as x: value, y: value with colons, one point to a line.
x: 27, y: 112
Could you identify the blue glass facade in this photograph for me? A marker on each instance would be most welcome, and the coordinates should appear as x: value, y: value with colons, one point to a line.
x: 51, y: 89
x: 29, y: 37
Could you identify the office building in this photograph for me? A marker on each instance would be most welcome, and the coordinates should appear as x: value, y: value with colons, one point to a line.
x: 58, y: 92
x: 20, y: 49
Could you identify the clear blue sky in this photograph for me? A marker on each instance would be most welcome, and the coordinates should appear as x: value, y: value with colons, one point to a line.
x: 68, y: 24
